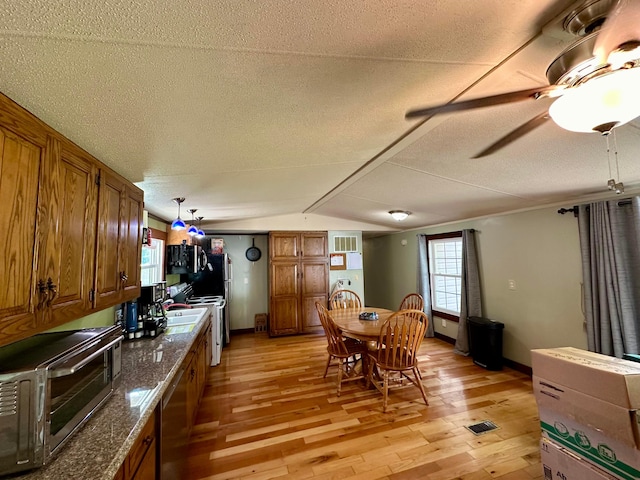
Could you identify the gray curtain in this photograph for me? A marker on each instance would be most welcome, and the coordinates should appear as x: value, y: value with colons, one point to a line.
x: 610, y: 248
x: 470, y: 301
x: 424, y: 287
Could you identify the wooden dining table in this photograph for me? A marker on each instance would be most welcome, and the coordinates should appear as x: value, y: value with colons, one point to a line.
x: 351, y: 325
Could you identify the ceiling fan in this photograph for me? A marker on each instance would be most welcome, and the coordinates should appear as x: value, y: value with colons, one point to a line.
x: 594, y: 81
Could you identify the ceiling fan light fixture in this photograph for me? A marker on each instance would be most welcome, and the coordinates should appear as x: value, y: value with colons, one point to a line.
x: 610, y: 100
x: 178, y: 223
x: 399, y: 215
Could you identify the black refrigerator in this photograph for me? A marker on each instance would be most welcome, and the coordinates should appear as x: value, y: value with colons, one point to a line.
x: 213, y: 280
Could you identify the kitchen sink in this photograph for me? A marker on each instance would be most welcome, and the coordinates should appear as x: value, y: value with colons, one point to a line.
x: 188, y: 316
x: 182, y: 320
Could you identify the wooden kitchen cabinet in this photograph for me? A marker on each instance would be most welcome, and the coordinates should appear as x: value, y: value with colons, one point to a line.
x: 197, y: 367
x: 48, y: 227
x: 140, y: 464
x: 118, y: 244
x: 298, y: 277
x: 71, y: 234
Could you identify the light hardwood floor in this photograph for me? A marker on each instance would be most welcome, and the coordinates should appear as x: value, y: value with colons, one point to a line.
x: 268, y: 413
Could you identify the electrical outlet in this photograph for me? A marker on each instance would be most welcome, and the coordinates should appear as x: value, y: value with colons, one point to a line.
x: 512, y: 284
x: 444, y: 323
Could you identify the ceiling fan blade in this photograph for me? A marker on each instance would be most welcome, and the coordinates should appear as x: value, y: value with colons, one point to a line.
x: 621, y: 26
x: 514, y: 135
x: 517, y: 96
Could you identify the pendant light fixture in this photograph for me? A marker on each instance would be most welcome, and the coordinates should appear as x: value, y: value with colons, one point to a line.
x: 200, y: 233
x: 178, y: 223
x: 193, y: 230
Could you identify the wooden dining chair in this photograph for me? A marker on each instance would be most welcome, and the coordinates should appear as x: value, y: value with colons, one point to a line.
x: 398, y: 345
x: 412, y: 301
x: 344, y: 299
x: 348, y: 351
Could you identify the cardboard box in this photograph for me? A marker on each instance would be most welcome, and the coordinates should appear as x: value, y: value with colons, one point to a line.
x: 607, y: 378
x: 592, y: 445
x: 559, y: 463
x: 614, y: 421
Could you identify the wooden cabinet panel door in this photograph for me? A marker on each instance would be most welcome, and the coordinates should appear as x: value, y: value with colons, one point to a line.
x: 131, y: 229
x: 70, y: 250
x: 108, y: 252
x: 284, y: 246
x: 284, y: 315
x: 310, y: 319
x: 314, y: 245
x: 21, y: 170
x: 315, y: 287
x: 284, y: 293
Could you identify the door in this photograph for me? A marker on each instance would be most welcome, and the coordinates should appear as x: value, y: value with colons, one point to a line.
x: 315, y: 286
x: 119, y: 241
x: 21, y: 177
x: 131, y: 243
x: 284, y: 246
x: 109, y: 276
x: 284, y: 298
x: 70, y: 250
x: 314, y: 245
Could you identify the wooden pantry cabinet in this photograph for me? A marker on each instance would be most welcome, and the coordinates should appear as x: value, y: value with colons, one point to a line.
x: 49, y: 227
x: 298, y: 278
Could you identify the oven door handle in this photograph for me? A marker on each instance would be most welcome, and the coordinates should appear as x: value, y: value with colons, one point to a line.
x: 63, y: 372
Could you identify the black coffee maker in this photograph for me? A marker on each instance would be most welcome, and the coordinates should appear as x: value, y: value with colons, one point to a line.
x: 151, y: 309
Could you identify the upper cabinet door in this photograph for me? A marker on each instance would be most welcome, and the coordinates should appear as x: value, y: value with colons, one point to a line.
x: 21, y: 176
x: 71, y: 236
x: 109, y: 274
x: 119, y: 241
x: 131, y: 242
x: 314, y: 245
x: 284, y: 246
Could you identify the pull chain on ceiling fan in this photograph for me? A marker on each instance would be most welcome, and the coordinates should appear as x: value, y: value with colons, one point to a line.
x: 612, y: 184
x: 594, y: 81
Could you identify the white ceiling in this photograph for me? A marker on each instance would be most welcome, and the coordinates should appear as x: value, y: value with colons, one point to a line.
x: 271, y: 109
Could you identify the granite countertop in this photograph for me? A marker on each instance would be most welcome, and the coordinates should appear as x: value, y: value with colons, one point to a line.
x: 97, y: 450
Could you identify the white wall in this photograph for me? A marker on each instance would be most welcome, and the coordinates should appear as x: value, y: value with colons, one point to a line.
x: 249, y: 288
x: 538, y: 249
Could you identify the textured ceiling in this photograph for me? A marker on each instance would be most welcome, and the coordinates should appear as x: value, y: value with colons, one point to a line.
x: 263, y: 110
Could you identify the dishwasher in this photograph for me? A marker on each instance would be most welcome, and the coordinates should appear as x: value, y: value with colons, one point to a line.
x: 174, y: 435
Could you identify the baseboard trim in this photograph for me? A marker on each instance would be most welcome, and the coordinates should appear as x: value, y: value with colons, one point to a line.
x: 243, y: 330
x: 508, y: 363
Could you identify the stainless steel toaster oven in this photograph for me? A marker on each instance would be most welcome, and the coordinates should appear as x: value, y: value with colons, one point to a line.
x: 50, y: 384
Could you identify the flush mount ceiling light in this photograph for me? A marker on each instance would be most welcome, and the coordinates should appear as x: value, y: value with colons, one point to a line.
x: 399, y: 215
x: 193, y: 230
x: 200, y: 233
x: 178, y: 223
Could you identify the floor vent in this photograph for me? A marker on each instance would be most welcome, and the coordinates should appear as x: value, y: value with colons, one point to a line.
x: 482, y: 427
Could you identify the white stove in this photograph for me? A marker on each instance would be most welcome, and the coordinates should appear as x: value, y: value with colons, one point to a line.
x: 216, y: 304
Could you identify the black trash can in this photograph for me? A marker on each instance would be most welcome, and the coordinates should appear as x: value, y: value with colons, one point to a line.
x: 485, y: 342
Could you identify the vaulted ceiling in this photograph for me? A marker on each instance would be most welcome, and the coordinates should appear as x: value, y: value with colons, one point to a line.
x: 262, y: 110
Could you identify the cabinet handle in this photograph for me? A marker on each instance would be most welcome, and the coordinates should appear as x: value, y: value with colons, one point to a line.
x: 123, y: 276
x: 43, y: 294
x: 147, y: 440
x: 193, y: 373
x: 53, y: 291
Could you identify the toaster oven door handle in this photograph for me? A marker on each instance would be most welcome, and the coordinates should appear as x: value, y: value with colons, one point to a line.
x: 62, y: 372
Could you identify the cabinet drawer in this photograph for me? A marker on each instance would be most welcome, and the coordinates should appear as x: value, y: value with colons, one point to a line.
x: 141, y: 445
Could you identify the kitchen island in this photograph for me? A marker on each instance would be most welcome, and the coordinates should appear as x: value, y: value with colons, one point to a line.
x: 99, y: 448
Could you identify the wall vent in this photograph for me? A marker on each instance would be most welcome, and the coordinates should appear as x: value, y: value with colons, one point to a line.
x: 345, y: 244
x: 8, y: 398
